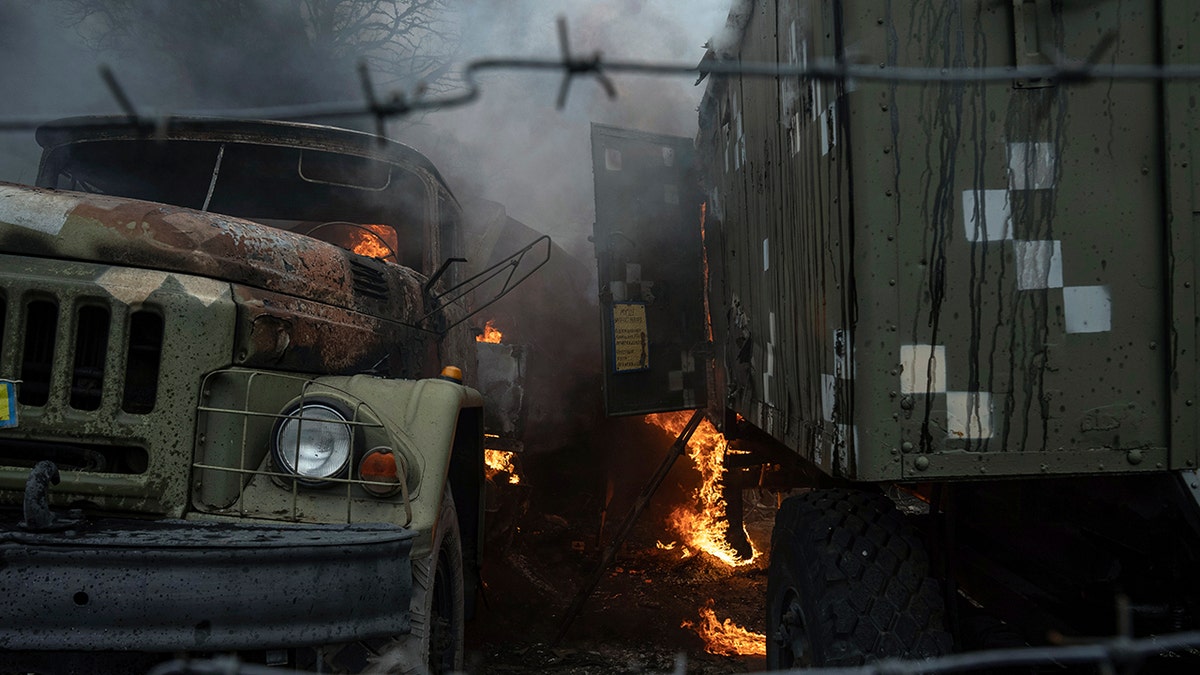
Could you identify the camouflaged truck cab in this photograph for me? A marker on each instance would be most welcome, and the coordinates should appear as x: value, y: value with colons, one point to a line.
x: 221, y: 428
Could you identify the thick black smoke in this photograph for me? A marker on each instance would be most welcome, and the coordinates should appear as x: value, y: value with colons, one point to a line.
x: 511, y: 147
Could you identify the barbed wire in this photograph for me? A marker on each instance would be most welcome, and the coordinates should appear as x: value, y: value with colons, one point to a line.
x: 573, y: 66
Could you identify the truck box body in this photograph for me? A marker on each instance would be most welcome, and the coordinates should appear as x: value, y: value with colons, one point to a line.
x: 954, y: 280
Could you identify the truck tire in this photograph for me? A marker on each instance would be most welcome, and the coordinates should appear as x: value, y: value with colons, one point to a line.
x: 849, y: 583
x: 436, y: 642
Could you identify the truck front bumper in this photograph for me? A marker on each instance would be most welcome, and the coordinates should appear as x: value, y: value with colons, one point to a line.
x: 182, y: 585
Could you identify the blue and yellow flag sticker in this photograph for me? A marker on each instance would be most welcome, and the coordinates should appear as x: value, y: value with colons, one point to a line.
x: 8, y: 403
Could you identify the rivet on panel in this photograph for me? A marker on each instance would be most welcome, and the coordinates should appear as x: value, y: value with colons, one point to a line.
x: 1134, y: 456
x: 907, y: 446
x: 921, y: 463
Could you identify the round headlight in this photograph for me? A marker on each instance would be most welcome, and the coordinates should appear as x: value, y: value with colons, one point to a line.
x: 314, y: 442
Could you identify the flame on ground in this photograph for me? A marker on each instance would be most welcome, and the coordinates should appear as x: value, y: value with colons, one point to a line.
x: 500, y: 460
x: 702, y: 524
x: 726, y: 637
x: 489, y: 334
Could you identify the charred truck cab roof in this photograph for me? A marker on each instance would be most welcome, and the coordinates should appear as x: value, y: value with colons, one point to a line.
x: 194, y: 318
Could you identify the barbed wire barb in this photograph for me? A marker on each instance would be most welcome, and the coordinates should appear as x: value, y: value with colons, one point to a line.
x: 573, y: 67
x: 364, y: 77
x: 114, y: 87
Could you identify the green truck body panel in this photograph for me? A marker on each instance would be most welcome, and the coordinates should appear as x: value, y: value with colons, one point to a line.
x: 948, y: 280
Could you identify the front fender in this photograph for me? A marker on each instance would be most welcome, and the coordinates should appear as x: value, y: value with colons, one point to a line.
x: 419, y: 418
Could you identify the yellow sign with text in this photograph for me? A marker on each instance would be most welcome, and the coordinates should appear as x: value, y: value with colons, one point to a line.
x: 8, y: 404
x: 631, y: 345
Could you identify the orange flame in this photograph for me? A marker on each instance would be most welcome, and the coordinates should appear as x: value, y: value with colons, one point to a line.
x: 489, y: 334
x: 381, y: 247
x: 500, y: 460
x: 726, y: 637
x: 702, y: 525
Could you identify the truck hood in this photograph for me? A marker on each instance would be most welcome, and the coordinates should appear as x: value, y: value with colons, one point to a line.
x: 128, y: 232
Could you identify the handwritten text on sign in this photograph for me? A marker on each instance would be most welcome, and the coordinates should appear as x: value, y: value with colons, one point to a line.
x: 630, y: 342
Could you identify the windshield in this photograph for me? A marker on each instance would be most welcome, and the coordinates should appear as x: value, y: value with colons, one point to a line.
x: 371, y: 207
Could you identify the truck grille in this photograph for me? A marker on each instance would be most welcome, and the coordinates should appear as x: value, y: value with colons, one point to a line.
x: 91, y: 346
x: 142, y: 362
x: 37, y: 361
x: 86, y: 353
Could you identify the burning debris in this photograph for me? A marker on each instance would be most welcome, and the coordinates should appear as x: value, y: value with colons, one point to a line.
x: 726, y: 637
x: 501, y: 461
x: 490, y: 334
x: 701, y: 523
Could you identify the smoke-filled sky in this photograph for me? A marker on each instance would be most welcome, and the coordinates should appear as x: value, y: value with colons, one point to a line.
x: 511, y: 146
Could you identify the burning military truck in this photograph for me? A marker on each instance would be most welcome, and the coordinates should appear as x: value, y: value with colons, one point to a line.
x: 235, y: 401
x: 976, y: 295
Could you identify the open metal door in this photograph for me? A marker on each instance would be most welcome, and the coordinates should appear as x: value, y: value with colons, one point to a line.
x: 647, y: 236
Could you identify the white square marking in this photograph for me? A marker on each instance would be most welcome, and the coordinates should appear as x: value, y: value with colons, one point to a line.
x: 828, y: 396
x: 924, y: 369
x: 675, y: 380
x: 986, y: 215
x: 1031, y: 166
x: 843, y: 363
x: 1087, y: 309
x: 968, y: 414
x: 1039, y: 264
x: 612, y: 159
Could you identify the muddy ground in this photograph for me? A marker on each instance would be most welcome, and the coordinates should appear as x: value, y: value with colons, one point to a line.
x: 545, y: 543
